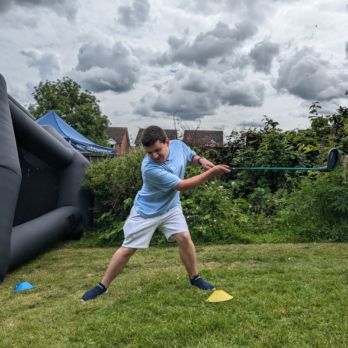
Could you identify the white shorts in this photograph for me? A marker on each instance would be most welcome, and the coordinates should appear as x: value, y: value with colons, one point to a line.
x: 138, y: 231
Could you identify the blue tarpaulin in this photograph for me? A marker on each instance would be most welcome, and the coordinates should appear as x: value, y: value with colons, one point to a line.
x: 77, y: 140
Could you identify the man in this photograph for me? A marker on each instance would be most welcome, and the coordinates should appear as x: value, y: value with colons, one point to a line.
x: 157, y: 205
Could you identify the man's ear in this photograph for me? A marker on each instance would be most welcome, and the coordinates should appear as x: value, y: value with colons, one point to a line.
x: 167, y: 141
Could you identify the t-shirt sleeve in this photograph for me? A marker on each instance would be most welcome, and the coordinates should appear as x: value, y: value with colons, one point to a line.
x: 162, y: 179
x: 188, y: 153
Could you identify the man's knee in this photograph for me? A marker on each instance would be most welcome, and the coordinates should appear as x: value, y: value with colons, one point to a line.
x: 127, y: 252
x: 182, y: 238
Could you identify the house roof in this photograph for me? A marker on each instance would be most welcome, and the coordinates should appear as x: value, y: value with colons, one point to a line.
x: 208, y: 138
x: 117, y: 133
x: 171, y: 134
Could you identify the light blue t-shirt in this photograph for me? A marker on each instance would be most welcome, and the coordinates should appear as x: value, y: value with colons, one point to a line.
x: 158, y: 194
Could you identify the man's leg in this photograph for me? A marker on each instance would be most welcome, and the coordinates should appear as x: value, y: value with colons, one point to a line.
x: 116, y: 265
x: 118, y: 261
x: 187, y: 252
x: 137, y: 234
x: 188, y: 257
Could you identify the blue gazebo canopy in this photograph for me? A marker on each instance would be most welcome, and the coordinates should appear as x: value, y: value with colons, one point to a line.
x: 77, y: 140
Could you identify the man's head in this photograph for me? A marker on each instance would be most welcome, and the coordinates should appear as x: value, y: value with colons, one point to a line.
x: 155, y: 142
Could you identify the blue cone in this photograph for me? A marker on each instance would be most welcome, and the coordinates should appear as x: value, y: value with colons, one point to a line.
x: 23, y: 286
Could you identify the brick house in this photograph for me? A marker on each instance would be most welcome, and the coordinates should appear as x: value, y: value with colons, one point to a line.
x: 171, y: 134
x: 119, y: 139
x: 204, y: 138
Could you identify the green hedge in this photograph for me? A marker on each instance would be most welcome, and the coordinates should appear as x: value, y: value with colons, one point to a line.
x: 318, y: 209
x: 220, y: 212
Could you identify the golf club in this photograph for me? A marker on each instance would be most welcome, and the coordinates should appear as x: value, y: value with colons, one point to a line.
x: 332, y: 160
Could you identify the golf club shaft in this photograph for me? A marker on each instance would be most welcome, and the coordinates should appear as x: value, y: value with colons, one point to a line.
x: 332, y: 161
x: 320, y: 169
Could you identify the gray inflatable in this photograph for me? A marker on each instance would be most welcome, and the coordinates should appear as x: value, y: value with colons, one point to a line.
x: 41, y: 201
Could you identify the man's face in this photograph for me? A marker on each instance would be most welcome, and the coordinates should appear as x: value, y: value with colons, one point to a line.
x: 158, y: 151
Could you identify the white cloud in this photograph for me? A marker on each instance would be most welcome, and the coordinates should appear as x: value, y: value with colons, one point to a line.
x: 47, y: 63
x: 65, y: 8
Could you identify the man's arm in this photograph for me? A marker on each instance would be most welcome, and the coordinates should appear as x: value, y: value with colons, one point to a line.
x: 201, y: 161
x: 199, y: 179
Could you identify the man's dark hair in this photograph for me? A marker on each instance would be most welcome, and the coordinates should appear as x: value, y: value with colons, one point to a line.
x: 152, y: 134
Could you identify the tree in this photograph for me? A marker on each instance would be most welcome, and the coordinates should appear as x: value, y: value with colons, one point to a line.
x: 80, y: 109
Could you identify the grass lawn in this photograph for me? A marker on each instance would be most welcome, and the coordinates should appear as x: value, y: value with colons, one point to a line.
x: 285, y: 295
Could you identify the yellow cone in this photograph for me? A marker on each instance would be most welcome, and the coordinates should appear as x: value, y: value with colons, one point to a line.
x: 219, y: 296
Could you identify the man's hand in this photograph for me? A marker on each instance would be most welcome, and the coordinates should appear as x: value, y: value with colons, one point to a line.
x: 220, y: 169
x: 206, y: 164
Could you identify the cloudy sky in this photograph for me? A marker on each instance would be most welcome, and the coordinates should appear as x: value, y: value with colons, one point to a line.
x: 212, y: 64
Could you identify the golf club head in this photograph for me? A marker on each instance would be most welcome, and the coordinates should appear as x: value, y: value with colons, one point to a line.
x: 332, y: 160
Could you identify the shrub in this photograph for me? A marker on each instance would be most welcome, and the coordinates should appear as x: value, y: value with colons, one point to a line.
x: 115, y: 182
x: 318, y: 210
x: 213, y: 215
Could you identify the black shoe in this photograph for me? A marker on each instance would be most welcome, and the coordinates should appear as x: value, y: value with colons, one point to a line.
x: 91, y: 294
x: 201, y: 283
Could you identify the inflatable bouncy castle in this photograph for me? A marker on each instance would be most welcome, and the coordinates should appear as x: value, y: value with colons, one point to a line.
x: 41, y: 200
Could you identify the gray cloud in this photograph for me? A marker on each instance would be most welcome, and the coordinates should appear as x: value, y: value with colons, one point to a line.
x: 47, y: 63
x: 193, y: 94
x: 258, y: 10
x: 347, y: 50
x: 101, y: 68
x: 195, y: 83
x: 308, y: 76
x: 255, y: 9
x: 187, y: 105
x: 136, y: 15
x: 262, y: 55
x: 250, y: 124
x: 216, y: 43
x: 5, y: 5
x: 245, y: 93
x: 190, y: 95
x: 64, y: 8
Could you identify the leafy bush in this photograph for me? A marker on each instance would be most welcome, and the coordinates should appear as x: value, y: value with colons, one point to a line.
x: 115, y: 182
x: 210, y: 213
x: 213, y: 215
x: 318, y: 210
